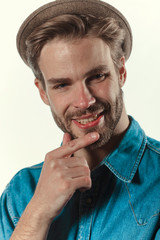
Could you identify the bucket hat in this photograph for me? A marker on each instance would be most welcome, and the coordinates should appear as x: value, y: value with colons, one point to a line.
x: 56, y: 8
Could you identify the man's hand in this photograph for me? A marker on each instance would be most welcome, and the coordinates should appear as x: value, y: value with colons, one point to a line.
x: 62, y: 174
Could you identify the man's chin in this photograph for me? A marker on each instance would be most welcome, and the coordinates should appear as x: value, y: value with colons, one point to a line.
x: 103, y: 140
x: 76, y: 134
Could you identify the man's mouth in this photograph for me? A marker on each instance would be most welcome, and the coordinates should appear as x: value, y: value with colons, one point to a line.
x: 88, y: 120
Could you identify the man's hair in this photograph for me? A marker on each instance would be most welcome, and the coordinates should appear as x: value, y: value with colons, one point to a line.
x: 74, y: 27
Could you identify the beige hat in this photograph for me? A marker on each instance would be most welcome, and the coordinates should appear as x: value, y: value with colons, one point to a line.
x: 60, y: 7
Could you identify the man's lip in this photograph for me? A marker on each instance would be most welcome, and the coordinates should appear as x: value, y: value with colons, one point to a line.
x: 87, y: 116
x: 89, y: 124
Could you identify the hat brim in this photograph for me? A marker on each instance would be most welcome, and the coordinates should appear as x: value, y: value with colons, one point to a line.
x: 53, y: 9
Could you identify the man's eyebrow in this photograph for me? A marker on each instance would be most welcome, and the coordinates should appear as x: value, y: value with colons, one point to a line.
x: 57, y: 80
x: 98, y: 69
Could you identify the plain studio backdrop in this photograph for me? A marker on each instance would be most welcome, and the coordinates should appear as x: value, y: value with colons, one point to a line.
x: 27, y: 130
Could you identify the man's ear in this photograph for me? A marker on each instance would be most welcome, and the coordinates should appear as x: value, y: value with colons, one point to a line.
x: 42, y: 91
x: 122, y: 72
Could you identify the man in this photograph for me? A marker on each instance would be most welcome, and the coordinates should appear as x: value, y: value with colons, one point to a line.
x: 104, y: 181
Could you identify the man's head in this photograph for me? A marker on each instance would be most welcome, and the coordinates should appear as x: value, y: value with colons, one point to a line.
x: 79, y: 63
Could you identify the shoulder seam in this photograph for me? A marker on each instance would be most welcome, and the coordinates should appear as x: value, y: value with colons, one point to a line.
x: 38, y: 166
x: 152, y: 147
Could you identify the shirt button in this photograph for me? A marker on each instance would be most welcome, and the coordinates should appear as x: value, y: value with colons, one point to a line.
x: 89, y: 200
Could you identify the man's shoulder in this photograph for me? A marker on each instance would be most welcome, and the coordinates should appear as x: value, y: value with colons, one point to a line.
x: 26, y: 176
x: 153, y: 145
x: 31, y: 169
x: 151, y: 160
x: 19, y: 191
x: 24, y: 182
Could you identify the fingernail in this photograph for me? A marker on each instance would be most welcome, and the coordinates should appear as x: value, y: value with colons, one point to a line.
x: 94, y: 135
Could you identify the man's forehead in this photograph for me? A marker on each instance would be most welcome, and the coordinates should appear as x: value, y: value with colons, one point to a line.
x: 62, y: 44
x: 86, y: 57
x: 62, y: 49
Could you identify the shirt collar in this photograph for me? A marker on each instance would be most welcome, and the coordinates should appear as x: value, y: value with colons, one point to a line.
x: 124, y: 160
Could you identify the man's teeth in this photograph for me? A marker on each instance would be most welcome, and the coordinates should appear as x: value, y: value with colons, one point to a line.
x: 87, y: 120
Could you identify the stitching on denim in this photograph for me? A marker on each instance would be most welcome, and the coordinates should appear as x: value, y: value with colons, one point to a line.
x: 24, y: 169
x: 140, y: 153
x: 9, y: 208
x: 16, y: 217
x: 128, y: 190
x: 15, y: 220
x: 139, y: 156
x: 116, y: 173
x: 35, y: 167
x: 143, y: 224
x: 145, y: 220
x: 152, y: 147
x: 132, y: 207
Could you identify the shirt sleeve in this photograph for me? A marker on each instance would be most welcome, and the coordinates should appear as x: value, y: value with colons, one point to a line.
x: 16, y: 197
x: 6, y: 221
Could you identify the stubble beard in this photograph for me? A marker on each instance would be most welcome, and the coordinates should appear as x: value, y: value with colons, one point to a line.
x: 112, y: 114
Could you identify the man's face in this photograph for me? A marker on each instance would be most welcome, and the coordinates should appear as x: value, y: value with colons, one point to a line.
x: 83, y: 88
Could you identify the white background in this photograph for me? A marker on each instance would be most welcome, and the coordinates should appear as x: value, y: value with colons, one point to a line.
x: 27, y: 131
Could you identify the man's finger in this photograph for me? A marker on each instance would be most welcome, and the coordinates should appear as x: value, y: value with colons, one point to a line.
x: 74, y: 145
x: 66, y: 138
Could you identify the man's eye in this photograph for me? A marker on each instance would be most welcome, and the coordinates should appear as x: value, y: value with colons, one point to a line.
x: 60, y: 86
x: 98, y: 77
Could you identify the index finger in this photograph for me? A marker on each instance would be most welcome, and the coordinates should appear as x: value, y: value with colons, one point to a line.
x: 74, y: 145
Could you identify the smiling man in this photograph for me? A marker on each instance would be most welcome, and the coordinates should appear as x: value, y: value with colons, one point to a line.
x: 104, y: 181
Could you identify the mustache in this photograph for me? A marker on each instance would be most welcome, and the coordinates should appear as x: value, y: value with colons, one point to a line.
x: 99, y: 106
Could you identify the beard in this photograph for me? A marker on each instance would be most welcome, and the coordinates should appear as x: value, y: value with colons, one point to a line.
x: 112, y: 114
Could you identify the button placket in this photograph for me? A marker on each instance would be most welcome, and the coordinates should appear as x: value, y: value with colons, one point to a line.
x: 86, y: 208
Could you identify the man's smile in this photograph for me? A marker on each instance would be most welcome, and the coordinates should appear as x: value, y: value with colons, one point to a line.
x: 87, y: 121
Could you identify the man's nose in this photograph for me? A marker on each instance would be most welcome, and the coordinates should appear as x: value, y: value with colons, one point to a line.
x: 83, y: 98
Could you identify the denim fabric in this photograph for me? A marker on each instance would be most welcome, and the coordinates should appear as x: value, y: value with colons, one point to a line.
x: 123, y: 203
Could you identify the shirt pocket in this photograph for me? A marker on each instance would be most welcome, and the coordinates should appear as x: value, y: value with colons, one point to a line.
x: 144, y: 202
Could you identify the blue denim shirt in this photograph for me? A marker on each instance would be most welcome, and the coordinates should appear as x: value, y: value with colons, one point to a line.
x: 123, y: 203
